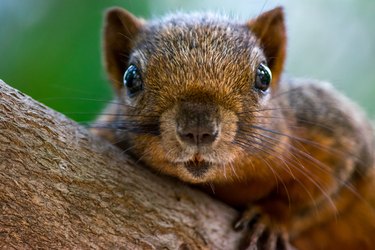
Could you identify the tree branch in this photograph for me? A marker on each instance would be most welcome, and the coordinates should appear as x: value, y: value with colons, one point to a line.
x: 61, y: 187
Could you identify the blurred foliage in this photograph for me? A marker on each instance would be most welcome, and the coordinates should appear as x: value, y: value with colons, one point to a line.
x: 51, y: 49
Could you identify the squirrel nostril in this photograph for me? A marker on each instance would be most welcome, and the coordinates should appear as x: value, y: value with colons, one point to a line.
x: 196, y: 138
x: 189, y: 136
x: 208, y: 138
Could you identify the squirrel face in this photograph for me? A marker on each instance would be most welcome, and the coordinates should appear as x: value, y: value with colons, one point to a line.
x: 190, y: 87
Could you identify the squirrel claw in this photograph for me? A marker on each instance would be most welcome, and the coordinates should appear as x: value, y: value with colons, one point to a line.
x: 262, y: 238
x: 258, y: 234
x: 247, y: 219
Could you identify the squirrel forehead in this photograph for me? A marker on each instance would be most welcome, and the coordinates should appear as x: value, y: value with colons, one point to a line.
x: 196, y: 40
x: 185, y: 26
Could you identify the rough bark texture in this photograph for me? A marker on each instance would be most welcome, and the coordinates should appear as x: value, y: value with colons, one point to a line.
x: 61, y: 187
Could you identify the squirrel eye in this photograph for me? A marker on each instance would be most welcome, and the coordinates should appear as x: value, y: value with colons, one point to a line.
x: 263, y: 77
x: 133, y: 80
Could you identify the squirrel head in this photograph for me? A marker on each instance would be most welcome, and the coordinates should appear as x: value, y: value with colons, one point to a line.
x: 189, y: 86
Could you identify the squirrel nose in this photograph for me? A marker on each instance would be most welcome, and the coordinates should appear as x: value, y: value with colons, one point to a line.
x: 197, y: 123
x: 198, y: 134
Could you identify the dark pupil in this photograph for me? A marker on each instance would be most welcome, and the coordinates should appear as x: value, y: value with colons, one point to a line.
x: 263, y: 77
x: 132, y: 80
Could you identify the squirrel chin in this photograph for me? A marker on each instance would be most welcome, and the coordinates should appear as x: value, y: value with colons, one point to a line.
x: 197, y: 169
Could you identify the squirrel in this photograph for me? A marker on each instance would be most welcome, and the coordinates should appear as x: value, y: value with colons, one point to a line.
x: 202, y: 98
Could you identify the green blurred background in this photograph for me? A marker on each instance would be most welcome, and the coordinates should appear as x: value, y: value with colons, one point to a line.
x: 51, y: 49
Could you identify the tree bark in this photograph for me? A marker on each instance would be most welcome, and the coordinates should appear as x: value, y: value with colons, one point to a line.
x: 61, y: 187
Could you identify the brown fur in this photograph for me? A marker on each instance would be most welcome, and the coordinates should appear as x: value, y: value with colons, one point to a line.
x: 302, y: 153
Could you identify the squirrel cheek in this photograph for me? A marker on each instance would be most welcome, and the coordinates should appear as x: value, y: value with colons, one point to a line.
x: 168, y: 132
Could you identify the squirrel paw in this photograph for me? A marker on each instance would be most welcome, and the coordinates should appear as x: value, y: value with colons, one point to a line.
x: 259, y: 235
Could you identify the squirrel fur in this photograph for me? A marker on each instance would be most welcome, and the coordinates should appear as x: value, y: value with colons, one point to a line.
x: 297, y: 159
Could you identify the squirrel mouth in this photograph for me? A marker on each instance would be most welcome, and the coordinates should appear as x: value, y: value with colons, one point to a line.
x: 197, y: 167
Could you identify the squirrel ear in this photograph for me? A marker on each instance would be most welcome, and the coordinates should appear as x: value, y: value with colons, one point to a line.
x: 120, y: 31
x: 269, y: 28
